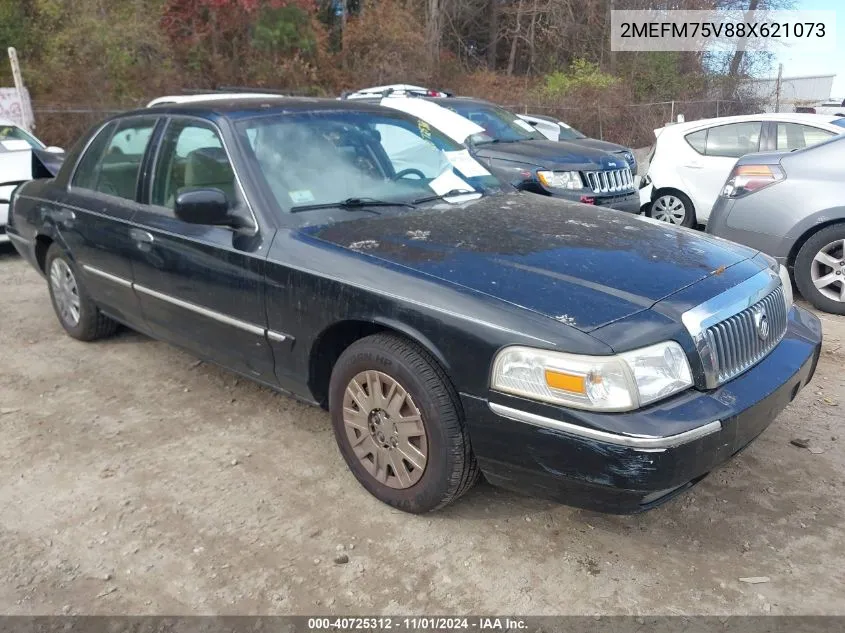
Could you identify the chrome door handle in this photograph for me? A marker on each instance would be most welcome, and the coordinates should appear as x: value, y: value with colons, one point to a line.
x: 141, y: 236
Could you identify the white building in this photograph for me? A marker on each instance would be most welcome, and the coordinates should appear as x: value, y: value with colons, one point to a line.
x: 794, y: 91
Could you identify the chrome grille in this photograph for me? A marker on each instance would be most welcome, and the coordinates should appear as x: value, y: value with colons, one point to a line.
x: 735, y: 344
x: 609, y: 181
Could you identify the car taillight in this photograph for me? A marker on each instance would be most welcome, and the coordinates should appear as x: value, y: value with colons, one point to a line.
x: 746, y: 179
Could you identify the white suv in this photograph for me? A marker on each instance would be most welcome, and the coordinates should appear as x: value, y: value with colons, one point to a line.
x: 691, y: 161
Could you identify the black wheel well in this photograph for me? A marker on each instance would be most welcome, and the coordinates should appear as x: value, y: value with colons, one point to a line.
x: 793, y: 253
x: 42, y: 245
x: 327, y: 349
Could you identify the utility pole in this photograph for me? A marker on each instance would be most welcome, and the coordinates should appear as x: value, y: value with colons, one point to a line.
x: 777, y: 88
x: 27, y: 119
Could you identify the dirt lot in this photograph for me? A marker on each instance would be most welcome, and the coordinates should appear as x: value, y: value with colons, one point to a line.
x: 135, y: 480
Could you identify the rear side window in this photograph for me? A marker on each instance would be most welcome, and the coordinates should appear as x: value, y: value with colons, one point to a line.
x: 796, y: 136
x: 86, y: 171
x: 733, y: 140
x: 839, y: 122
x: 697, y: 140
x: 114, y: 167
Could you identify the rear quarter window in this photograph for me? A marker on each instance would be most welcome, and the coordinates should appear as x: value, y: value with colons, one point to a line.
x: 697, y: 140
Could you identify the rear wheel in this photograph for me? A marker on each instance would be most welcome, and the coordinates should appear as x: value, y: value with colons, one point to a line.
x: 820, y: 269
x: 673, y: 207
x: 77, y: 313
x: 399, y: 426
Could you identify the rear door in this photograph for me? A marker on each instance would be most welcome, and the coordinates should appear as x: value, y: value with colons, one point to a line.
x: 97, y: 209
x: 201, y: 287
x: 716, y: 151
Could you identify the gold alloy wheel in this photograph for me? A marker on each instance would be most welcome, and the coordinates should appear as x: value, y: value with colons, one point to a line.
x: 385, y: 429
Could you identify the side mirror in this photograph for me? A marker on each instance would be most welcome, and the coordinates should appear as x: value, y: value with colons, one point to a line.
x: 54, y: 150
x: 203, y: 206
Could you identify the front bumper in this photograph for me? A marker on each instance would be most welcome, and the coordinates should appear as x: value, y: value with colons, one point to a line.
x: 4, y: 217
x: 588, y: 461
x: 627, y: 202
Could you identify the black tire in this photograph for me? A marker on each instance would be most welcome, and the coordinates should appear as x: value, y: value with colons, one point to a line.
x: 803, y: 267
x: 92, y: 324
x: 451, y: 469
x: 689, y: 209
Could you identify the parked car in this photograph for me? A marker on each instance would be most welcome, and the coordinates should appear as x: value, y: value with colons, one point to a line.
x: 394, y: 89
x: 556, y: 130
x: 691, y: 161
x: 450, y: 324
x: 791, y: 205
x: 833, y: 107
x: 16, y: 145
x: 520, y: 155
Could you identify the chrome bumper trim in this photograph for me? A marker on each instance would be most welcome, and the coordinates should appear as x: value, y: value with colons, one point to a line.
x: 630, y: 441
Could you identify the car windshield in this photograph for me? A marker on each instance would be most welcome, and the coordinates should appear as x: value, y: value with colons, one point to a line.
x: 11, y: 137
x: 569, y: 133
x: 499, y: 125
x: 327, y: 157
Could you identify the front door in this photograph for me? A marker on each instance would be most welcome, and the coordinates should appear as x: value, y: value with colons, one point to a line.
x: 201, y: 287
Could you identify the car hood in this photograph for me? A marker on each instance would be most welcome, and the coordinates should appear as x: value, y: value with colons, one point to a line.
x: 581, y: 265
x: 603, y: 146
x: 551, y: 155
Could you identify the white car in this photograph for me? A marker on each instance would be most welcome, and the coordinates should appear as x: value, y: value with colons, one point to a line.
x: 15, y: 164
x: 395, y: 90
x: 210, y: 96
x: 691, y: 161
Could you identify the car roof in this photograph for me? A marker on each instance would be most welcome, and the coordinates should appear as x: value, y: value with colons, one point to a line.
x: 788, y: 117
x: 211, y: 96
x: 8, y: 122
x: 237, y: 106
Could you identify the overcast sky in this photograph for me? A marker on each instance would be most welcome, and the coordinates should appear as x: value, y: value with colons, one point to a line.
x: 826, y: 63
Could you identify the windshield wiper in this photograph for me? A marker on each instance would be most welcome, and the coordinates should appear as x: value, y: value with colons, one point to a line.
x: 353, y: 204
x: 449, y: 194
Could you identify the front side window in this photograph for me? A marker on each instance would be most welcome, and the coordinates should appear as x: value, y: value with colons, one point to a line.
x: 13, y: 133
x: 499, y: 124
x: 796, y: 136
x: 191, y: 156
x: 115, y: 171
x: 324, y: 157
x: 734, y: 140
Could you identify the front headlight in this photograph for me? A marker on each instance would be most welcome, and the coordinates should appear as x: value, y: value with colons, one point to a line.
x: 783, y: 273
x: 601, y: 383
x: 560, y: 179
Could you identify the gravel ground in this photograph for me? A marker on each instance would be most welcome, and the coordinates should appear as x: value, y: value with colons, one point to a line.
x: 136, y: 480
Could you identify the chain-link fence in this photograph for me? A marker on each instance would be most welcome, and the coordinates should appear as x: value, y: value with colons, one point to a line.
x: 631, y: 125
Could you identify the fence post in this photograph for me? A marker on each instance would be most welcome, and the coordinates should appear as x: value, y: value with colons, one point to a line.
x: 672, y: 116
x: 601, y: 127
x: 717, y: 108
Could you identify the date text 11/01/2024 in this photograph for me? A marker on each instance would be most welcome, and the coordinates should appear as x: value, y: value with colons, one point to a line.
x: 421, y: 623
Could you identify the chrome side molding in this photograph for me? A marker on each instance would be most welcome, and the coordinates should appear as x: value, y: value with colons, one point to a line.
x: 252, y: 328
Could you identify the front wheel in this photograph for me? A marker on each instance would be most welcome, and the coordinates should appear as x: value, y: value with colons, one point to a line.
x: 673, y: 207
x: 820, y: 269
x: 399, y: 425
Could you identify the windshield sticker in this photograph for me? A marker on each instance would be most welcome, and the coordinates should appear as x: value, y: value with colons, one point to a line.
x: 302, y: 195
x: 450, y: 183
x: 466, y: 164
x: 524, y: 125
x: 425, y: 129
